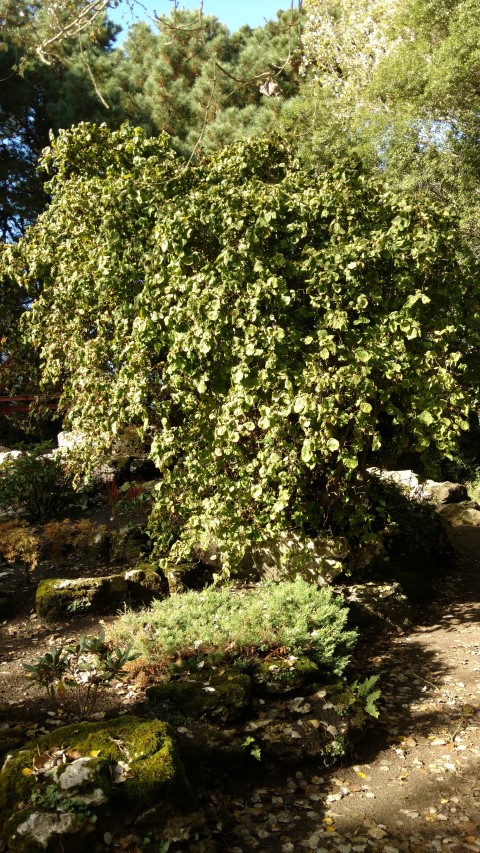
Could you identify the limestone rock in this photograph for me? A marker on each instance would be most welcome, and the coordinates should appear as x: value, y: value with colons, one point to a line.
x: 188, y: 575
x: 422, y: 490
x: 152, y: 776
x: 285, y: 557
x: 445, y: 493
x: 221, y: 697
x: 57, y: 597
x: 321, y: 725
x: 130, y: 543
x: 466, y: 513
x: 48, y: 832
x: 283, y: 675
x: 379, y: 606
x: 9, y: 455
x: 289, y: 555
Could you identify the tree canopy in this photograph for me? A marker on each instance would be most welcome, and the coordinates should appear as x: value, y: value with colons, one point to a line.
x: 401, y: 78
x: 265, y: 326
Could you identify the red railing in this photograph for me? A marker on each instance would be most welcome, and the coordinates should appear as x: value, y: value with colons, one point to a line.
x: 9, y: 405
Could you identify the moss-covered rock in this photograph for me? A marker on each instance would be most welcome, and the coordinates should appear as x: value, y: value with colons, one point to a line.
x: 322, y: 725
x: 141, y: 755
x: 463, y: 514
x: 57, y: 598
x: 146, y: 582
x: 130, y: 543
x: 9, y: 740
x: 222, y: 697
x: 60, y: 597
x: 209, y: 750
x: 282, y: 675
x: 188, y: 575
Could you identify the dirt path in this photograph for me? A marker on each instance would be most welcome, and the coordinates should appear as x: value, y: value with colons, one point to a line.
x: 414, y: 782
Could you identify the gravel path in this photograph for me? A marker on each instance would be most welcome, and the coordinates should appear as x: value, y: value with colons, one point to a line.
x: 413, y: 784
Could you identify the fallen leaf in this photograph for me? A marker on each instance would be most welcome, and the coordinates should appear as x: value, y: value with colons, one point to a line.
x: 377, y: 833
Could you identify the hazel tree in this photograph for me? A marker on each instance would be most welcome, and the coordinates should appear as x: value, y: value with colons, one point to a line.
x: 264, y: 327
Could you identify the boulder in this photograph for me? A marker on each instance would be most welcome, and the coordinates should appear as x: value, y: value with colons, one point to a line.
x: 188, y: 575
x: 221, y: 697
x: 283, y: 675
x: 320, y: 723
x: 377, y: 606
x: 146, y: 582
x: 57, y: 598
x: 466, y: 513
x: 128, y: 765
x: 285, y: 557
x: 317, y: 721
x: 9, y: 455
x: 422, y: 490
x: 69, y: 440
x: 9, y: 740
x: 289, y: 556
x: 130, y: 543
x: 445, y: 493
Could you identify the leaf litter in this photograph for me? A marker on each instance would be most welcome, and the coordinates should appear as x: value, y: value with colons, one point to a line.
x: 413, y: 784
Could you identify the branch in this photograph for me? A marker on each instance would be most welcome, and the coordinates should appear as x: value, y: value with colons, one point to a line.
x: 80, y: 23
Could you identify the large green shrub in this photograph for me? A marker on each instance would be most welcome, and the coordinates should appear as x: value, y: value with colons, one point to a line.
x: 264, y: 327
x: 35, y: 482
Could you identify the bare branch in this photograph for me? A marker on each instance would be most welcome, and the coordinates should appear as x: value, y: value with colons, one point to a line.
x: 72, y: 29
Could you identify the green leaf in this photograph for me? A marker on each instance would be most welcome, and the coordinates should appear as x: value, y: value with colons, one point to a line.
x: 362, y: 355
x: 426, y: 418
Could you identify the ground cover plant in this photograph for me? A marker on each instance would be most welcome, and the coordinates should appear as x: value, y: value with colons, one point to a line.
x: 290, y: 618
x: 75, y: 675
x: 263, y: 325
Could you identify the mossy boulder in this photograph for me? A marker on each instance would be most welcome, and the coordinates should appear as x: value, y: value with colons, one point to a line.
x: 221, y: 697
x: 209, y: 751
x: 127, y: 763
x: 463, y: 514
x: 57, y: 598
x: 9, y: 740
x: 146, y: 582
x: 130, y: 543
x: 282, y: 675
x: 188, y: 575
x: 322, y: 724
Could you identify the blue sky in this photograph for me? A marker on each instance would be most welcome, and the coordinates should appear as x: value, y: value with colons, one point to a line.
x: 233, y: 13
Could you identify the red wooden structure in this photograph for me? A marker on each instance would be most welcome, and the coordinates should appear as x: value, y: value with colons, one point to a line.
x: 9, y: 405
x: 22, y: 403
